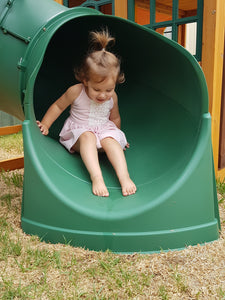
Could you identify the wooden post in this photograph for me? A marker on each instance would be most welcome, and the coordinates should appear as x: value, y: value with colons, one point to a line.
x: 222, y: 123
x: 121, y: 8
x: 212, y: 63
x: 59, y: 1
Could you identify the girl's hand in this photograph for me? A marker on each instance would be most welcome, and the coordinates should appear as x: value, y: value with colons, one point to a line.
x: 127, y: 146
x: 43, y: 128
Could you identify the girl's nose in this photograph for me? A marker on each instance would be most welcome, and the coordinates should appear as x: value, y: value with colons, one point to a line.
x: 102, y: 96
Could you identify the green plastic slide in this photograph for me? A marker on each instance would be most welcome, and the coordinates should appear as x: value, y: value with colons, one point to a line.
x: 164, y: 111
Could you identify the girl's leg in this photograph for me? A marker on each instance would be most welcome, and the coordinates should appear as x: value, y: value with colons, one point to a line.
x: 117, y: 158
x: 86, y: 145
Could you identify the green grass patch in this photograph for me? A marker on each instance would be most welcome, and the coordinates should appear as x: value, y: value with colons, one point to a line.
x: 11, y: 178
x: 12, y: 144
x: 221, y: 190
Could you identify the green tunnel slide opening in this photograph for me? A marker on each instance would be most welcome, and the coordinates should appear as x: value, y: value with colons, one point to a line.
x: 160, y: 102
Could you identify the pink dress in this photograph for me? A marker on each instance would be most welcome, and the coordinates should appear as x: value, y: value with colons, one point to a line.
x: 87, y: 115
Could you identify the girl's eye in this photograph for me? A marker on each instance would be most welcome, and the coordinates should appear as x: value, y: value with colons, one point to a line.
x: 109, y: 91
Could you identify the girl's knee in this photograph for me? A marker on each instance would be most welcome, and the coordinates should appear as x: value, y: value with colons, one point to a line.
x: 87, y: 136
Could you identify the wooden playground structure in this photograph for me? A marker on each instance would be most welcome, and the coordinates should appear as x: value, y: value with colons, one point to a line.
x: 212, y: 60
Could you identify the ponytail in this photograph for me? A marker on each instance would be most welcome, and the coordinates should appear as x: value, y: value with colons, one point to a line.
x: 99, y: 40
x: 99, y: 62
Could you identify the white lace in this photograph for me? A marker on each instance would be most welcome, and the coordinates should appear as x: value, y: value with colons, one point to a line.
x: 99, y: 113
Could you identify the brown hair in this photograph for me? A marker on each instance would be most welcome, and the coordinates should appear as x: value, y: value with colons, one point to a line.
x: 99, y: 61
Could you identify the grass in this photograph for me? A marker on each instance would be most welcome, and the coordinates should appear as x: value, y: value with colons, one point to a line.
x: 33, y: 269
x: 11, y: 145
x: 163, y: 293
x: 221, y: 190
x: 12, y: 178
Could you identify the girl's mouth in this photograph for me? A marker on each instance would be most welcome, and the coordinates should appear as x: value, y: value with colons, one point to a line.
x: 100, y: 100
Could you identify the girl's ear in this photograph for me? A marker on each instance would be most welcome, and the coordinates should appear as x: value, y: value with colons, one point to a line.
x: 85, y: 82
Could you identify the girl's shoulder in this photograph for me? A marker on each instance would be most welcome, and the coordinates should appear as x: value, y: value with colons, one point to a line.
x: 74, y: 91
x: 115, y: 98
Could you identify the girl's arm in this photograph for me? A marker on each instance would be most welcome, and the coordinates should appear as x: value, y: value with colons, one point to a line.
x: 58, y: 107
x: 115, y: 115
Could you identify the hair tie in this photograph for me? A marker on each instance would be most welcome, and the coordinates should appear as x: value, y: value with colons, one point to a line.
x: 103, y: 49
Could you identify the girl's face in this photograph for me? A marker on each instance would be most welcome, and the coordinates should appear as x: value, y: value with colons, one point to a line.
x: 100, y: 91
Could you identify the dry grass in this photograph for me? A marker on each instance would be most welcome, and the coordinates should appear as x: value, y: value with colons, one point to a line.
x: 31, y: 269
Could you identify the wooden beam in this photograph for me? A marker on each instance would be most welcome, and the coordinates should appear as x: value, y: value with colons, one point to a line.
x: 208, y: 45
x: 121, y: 8
x: 217, y: 80
x: 162, y: 8
x: 166, y: 9
x: 189, y: 13
x: 222, y: 123
x: 12, y: 163
x: 212, y: 64
x: 59, y: 1
x: 10, y: 129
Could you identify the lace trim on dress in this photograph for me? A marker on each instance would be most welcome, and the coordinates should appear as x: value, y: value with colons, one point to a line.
x: 99, y: 113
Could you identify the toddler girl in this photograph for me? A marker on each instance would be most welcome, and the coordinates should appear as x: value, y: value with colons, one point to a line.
x: 94, y: 121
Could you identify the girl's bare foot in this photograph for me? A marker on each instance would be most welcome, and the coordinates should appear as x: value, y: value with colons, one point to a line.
x: 127, y: 185
x: 98, y: 187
